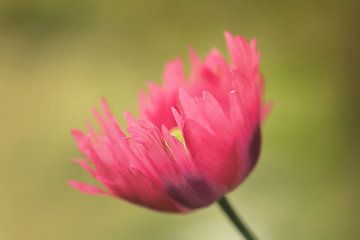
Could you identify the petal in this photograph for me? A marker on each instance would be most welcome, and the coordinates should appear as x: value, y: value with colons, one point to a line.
x: 157, y: 107
x: 86, y: 188
x: 192, y: 191
x: 85, y: 166
x: 211, y: 155
x: 209, y: 137
x: 151, y: 194
x: 265, y: 110
x: 173, y: 76
x: 108, y: 122
x: 195, y: 62
x: 81, y: 139
x: 178, y: 118
x: 190, y: 108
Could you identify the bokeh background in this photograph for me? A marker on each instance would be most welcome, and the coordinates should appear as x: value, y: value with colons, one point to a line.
x: 57, y: 58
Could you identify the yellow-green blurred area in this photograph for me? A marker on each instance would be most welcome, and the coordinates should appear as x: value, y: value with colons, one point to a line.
x: 58, y: 58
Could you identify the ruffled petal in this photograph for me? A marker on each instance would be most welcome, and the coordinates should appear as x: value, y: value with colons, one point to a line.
x: 209, y: 138
x: 210, y: 155
x: 86, y: 188
x: 157, y: 106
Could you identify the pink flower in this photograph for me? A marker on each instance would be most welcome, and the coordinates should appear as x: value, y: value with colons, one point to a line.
x: 197, y: 138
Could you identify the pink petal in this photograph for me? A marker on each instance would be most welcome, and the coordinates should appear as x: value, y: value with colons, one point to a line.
x: 212, y: 156
x: 81, y: 138
x: 265, y: 111
x: 85, y: 166
x: 86, y: 188
x: 173, y: 76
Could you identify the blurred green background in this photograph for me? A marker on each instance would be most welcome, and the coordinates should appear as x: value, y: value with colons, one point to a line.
x: 57, y: 58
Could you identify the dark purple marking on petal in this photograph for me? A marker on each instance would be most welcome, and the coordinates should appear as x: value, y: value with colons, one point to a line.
x: 254, y: 147
x: 193, y: 192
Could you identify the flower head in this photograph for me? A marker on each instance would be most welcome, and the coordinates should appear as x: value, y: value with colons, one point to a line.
x: 197, y: 139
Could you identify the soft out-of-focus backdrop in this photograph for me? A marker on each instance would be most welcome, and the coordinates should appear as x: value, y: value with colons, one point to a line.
x: 57, y: 58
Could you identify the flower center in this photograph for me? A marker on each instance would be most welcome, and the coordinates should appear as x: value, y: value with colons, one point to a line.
x: 175, y: 132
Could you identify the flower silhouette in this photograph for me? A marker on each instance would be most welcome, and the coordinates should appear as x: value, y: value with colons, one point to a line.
x: 198, y: 137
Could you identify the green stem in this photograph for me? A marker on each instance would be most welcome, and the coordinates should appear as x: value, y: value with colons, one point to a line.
x: 236, y: 220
